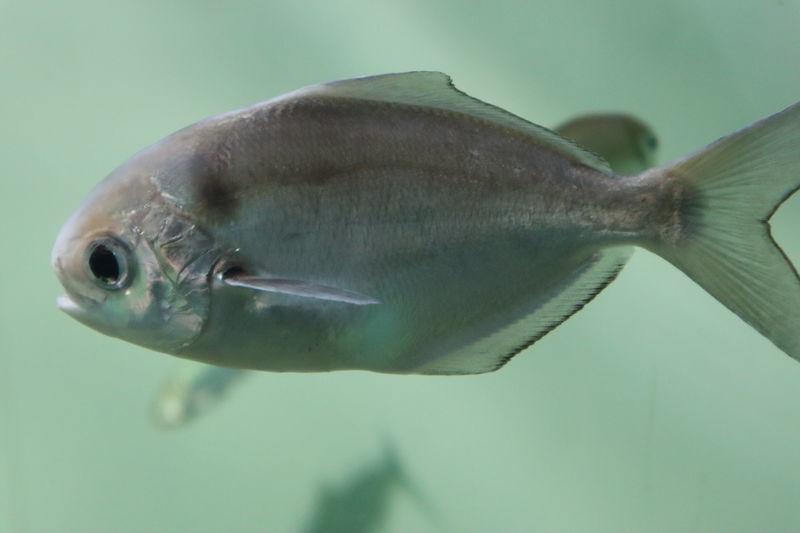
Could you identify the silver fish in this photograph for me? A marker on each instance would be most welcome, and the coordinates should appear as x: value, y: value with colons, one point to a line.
x: 395, y: 224
x: 193, y: 389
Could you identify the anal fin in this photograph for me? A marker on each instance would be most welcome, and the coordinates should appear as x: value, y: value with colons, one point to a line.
x: 565, y: 299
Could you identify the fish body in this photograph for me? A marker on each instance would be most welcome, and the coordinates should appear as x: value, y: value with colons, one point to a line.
x: 390, y: 223
x: 193, y: 389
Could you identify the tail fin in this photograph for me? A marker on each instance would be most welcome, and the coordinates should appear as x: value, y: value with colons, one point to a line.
x: 731, y: 189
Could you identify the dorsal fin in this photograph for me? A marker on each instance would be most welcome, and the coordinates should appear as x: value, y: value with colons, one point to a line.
x: 435, y: 90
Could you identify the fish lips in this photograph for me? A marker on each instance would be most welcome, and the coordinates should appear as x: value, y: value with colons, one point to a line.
x: 74, y: 306
x: 76, y: 310
x: 66, y: 304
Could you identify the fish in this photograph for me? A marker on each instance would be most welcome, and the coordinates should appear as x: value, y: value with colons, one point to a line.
x: 194, y: 389
x: 361, y: 503
x: 395, y: 224
x: 625, y: 142
x: 191, y: 391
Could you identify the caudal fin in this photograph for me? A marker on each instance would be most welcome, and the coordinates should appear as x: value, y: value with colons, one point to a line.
x: 730, y: 190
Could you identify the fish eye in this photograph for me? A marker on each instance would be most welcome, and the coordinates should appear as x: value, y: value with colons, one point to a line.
x: 651, y: 142
x: 108, y: 261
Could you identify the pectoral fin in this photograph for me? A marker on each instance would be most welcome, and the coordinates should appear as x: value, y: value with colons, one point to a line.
x: 300, y: 288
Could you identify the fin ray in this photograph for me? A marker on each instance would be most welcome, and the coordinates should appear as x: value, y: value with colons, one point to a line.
x: 300, y: 288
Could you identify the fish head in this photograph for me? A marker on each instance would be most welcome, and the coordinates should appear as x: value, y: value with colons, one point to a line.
x: 132, y: 265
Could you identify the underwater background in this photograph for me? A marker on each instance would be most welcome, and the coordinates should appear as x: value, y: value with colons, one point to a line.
x: 654, y: 409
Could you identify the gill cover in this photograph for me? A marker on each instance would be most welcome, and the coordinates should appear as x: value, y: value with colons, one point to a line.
x: 177, y: 257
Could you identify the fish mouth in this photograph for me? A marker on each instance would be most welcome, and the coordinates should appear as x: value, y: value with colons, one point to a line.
x: 66, y: 304
x: 69, y: 306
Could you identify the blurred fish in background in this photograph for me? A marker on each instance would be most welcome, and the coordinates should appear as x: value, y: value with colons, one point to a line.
x: 191, y: 391
x: 363, y: 501
x: 625, y: 142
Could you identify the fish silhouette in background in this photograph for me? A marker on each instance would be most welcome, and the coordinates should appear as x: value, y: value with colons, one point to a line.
x: 395, y: 224
x: 626, y: 143
x: 194, y: 389
x: 191, y: 391
x: 362, y: 502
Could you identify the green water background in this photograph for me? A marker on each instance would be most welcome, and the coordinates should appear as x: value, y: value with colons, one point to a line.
x: 655, y: 409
